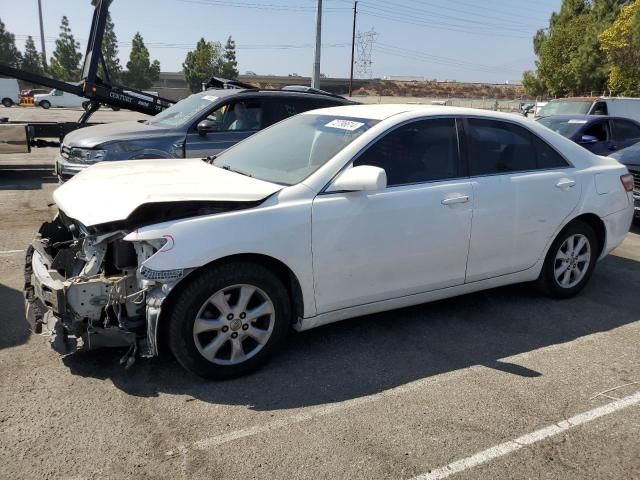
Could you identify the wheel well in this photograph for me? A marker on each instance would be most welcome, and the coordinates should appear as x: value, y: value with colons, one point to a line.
x: 282, y: 271
x: 597, y: 224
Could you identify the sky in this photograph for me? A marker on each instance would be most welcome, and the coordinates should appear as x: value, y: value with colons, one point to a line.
x: 463, y: 40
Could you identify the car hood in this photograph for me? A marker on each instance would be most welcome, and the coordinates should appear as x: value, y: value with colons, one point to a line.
x: 96, y: 135
x: 629, y: 156
x: 110, y: 192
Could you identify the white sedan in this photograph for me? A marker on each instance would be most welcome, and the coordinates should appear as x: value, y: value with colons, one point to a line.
x: 328, y: 215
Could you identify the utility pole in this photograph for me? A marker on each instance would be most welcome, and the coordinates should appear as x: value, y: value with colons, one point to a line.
x: 315, y: 79
x: 353, y: 46
x: 44, y: 53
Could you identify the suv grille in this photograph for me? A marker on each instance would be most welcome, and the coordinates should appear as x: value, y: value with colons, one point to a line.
x: 636, y: 181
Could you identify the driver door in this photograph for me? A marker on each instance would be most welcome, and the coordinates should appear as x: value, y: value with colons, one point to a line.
x: 408, y: 238
x: 231, y: 130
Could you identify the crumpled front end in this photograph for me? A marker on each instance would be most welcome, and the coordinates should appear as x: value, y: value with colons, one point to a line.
x: 87, y: 289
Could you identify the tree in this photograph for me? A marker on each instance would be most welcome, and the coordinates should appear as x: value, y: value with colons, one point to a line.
x: 202, y: 63
x: 32, y: 60
x: 229, y: 62
x: 110, y: 53
x: 570, y: 57
x: 532, y: 84
x: 65, y: 62
x: 621, y: 42
x: 9, y: 53
x: 141, y: 72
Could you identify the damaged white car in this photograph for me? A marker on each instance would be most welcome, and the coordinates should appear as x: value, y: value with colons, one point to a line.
x: 328, y: 215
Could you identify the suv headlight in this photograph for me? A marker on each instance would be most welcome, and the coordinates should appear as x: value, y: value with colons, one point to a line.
x: 86, y: 155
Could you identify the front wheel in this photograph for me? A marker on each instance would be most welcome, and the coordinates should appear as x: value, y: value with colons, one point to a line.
x: 228, y: 320
x: 7, y: 102
x: 45, y: 104
x: 570, y: 261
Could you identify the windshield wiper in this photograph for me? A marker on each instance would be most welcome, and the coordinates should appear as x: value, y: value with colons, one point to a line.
x: 227, y: 167
x: 209, y: 159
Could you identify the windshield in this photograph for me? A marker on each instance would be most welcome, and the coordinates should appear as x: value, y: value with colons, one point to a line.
x: 183, y: 111
x: 293, y: 149
x: 563, y: 107
x: 564, y: 126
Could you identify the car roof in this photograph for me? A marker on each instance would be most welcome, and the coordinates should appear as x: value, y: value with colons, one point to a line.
x: 384, y: 111
x: 229, y: 92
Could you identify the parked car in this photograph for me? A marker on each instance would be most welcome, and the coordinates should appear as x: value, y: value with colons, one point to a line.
x: 615, y: 106
x: 630, y: 157
x: 9, y: 92
x: 205, y: 123
x: 331, y: 214
x: 29, y: 93
x: 601, y: 135
x: 58, y: 98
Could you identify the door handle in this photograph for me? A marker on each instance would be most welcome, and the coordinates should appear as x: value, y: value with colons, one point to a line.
x: 455, y: 199
x: 566, y: 183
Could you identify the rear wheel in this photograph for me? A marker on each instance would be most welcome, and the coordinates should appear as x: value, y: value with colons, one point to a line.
x: 45, y: 104
x: 7, y: 102
x: 570, y: 261
x: 229, y: 320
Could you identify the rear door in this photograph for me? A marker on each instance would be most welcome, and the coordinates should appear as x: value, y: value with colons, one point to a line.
x: 237, y: 120
x: 522, y: 191
x: 625, y: 133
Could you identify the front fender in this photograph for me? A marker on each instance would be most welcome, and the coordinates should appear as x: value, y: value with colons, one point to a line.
x: 267, y: 230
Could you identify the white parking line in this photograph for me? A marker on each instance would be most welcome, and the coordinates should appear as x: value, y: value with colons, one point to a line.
x: 313, y: 413
x: 528, y: 439
x: 11, y: 252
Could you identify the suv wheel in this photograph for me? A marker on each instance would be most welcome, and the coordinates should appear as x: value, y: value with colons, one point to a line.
x: 229, y: 320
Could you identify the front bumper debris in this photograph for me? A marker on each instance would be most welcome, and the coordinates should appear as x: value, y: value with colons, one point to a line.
x: 86, y: 293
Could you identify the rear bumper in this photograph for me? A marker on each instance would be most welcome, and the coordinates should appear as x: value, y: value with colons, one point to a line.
x: 617, y: 226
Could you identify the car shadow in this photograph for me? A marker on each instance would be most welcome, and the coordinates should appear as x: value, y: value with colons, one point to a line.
x: 26, y: 179
x: 14, y: 328
x: 370, y: 354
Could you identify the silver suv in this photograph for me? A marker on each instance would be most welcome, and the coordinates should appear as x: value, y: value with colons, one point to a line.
x: 203, y: 124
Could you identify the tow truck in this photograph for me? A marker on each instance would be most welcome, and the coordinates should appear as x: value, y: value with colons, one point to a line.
x: 20, y: 137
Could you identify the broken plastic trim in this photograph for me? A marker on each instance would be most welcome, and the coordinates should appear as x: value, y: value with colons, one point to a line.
x: 158, y: 212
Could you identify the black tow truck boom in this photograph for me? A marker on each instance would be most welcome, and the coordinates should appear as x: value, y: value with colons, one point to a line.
x: 98, y: 91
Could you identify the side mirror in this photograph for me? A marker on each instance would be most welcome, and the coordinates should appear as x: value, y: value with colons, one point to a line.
x: 587, y: 139
x: 360, y: 179
x: 208, y: 126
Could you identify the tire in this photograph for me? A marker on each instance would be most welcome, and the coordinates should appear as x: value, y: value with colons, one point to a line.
x: 565, y: 278
x: 85, y: 106
x: 221, y: 332
x: 45, y: 104
x: 7, y: 102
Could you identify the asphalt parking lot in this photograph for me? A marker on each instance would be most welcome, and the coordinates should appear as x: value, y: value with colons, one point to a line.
x: 500, y: 384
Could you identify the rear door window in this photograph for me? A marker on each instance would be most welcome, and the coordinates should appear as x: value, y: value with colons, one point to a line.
x: 496, y: 147
x: 287, y: 107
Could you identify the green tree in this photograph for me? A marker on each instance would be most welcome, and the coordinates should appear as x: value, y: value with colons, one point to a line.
x: 229, y: 62
x: 532, y: 84
x: 202, y: 63
x: 32, y: 60
x: 141, y: 72
x: 621, y: 42
x: 570, y: 57
x: 65, y: 62
x: 110, y: 53
x: 9, y: 53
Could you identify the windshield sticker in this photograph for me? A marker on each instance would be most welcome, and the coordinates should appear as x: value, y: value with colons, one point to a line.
x: 211, y: 98
x: 344, y: 125
x: 577, y: 121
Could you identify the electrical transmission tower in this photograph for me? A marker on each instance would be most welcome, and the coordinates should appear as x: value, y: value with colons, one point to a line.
x: 364, y: 46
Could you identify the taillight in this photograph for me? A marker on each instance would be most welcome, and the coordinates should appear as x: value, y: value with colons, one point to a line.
x: 627, y: 182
